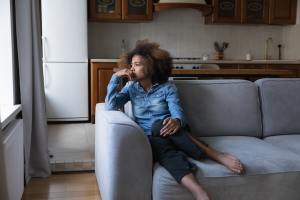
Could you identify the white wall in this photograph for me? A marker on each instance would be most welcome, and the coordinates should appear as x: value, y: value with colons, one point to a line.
x: 6, y: 84
x: 184, y: 34
x: 291, y: 39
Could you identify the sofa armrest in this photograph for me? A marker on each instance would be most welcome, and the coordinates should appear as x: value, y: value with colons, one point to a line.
x: 123, y: 157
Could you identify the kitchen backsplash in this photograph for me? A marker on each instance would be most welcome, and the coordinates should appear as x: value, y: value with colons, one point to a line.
x: 291, y: 38
x: 184, y: 34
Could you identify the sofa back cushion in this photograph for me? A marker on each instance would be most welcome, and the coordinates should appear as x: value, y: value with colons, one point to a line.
x: 280, y: 102
x: 221, y: 107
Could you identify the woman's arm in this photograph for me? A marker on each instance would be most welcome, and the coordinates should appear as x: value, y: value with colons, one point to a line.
x: 177, y: 120
x: 174, y: 104
x: 115, y: 100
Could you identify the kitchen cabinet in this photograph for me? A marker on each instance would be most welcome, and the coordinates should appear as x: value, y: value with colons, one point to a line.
x: 120, y: 10
x: 253, y: 12
x: 252, y: 66
x: 283, y: 12
x: 228, y: 66
x: 225, y: 11
x: 100, y: 76
x: 293, y: 69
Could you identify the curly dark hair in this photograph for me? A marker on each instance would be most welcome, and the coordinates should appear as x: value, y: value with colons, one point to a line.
x: 158, y: 61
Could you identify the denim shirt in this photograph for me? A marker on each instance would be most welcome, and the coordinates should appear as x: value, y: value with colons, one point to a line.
x: 160, y: 102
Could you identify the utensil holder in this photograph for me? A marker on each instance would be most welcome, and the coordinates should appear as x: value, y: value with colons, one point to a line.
x: 219, y: 55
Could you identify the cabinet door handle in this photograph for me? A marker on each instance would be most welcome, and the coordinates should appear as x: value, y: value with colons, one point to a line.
x: 44, y: 40
x: 45, y: 75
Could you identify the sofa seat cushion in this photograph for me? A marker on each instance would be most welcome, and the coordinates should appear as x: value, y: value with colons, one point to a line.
x: 257, y: 156
x: 265, y: 165
x: 274, y: 186
x: 288, y: 142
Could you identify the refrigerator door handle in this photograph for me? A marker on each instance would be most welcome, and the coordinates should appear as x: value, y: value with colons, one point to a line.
x: 44, y: 48
x: 45, y: 75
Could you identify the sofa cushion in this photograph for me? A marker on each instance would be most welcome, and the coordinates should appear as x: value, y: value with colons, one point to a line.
x: 266, y: 166
x: 280, y: 100
x: 221, y: 107
x: 258, y: 156
x: 274, y: 186
x: 289, y: 142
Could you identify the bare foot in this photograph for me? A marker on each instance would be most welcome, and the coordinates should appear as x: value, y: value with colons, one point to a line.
x: 226, y: 159
x: 230, y: 162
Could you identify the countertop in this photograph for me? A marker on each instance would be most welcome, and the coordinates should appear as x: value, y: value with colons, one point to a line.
x: 218, y: 61
x: 104, y: 60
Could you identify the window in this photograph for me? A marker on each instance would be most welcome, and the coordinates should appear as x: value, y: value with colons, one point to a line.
x: 6, y: 59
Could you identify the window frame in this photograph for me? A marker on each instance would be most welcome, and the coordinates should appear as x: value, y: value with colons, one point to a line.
x: 7, y: 82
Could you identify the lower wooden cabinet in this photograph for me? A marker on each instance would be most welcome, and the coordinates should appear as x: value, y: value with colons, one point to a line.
x: 294, y: 70
x: 252, y: 66
x: 228, y: 66
x: 100, y: 76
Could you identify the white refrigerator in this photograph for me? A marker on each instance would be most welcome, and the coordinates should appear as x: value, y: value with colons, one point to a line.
x: 65, y: 59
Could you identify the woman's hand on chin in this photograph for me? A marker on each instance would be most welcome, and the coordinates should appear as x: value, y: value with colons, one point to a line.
x: 125, y: 73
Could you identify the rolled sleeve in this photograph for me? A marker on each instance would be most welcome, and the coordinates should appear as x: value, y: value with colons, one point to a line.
x: 115, y: 100
x: 115, y: 79
x: 174, y: 104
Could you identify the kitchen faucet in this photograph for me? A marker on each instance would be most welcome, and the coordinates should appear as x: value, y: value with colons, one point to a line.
x: 269, y: 43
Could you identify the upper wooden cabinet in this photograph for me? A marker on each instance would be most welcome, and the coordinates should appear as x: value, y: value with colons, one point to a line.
x: 225, y: 11
x: 253, y: 12
x: 120, y: 10
x: 137, y: 9
x: 105, y: 10
x: 283, y: 11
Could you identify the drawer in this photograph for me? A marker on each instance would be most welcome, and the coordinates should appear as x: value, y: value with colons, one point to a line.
x: 228, y: 66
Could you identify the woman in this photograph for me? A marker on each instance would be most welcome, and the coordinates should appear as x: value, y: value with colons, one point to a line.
x: 157, y: 110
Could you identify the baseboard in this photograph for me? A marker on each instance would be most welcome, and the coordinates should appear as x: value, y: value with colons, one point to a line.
x: 73, y: 166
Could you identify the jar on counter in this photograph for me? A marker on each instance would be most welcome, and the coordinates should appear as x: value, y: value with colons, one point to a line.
x: 248, y: 56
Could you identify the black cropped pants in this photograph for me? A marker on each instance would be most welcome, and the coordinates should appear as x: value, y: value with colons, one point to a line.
x: 171, y: 151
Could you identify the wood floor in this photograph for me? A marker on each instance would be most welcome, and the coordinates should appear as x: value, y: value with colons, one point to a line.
x: 75, y: 186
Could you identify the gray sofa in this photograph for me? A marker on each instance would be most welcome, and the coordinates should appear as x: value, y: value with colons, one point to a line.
x: 257, y: 122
